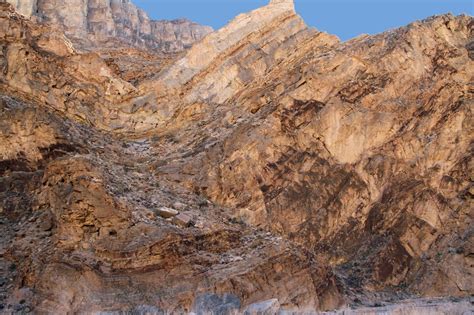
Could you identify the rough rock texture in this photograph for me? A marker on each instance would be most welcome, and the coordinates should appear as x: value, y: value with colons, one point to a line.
x: 79, y: 208
x: 100, y: 20
x: 413, y: 307
x: 177, y: 35
x: 284, y: 171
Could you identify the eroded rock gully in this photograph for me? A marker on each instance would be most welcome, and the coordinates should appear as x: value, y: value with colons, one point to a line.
x: 285, y: 172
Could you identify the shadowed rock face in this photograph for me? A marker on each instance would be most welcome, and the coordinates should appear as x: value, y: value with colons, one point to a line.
x: 268, y: 168
x: 100, y: 20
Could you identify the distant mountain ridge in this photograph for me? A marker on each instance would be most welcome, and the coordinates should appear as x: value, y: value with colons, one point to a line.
x: 99, y: 20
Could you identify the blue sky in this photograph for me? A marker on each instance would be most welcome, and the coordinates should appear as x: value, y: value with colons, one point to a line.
x: 345, y: 18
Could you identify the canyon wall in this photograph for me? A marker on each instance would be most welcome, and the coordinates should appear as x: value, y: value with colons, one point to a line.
x: 99, y: 20
x: 269, y: 168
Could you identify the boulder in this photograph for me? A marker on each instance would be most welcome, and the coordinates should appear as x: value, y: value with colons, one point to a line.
x: 166, y: 212
x: 183, y: 220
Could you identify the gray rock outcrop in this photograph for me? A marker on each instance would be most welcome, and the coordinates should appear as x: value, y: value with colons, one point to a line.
x: 99, y: 20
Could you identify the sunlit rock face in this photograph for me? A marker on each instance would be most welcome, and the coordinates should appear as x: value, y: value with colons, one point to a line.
x: 99, y: 20
x: 25, y: 7
x: 269, y: 168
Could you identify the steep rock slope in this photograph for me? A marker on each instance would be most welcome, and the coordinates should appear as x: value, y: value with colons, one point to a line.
x: 368, y: 171
x: 77, y: 204
x: 284, y: 171
x: 358, y: 151
x: 88, y: 228
x: 235, y: 57
x: 100, y: 20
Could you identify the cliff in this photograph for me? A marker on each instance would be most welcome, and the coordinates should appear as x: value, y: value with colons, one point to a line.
x: 99, y: 20
x: 269, y: 168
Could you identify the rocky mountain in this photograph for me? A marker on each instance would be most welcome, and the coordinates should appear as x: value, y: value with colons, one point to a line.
x: 268, y: 169
x: 100, y: 20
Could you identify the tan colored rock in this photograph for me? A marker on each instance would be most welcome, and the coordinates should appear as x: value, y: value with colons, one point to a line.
x: 321, y: 174
x: 166, y: 212
x: 100, y: 20
x: 203, y: 54
x: 183, y: 220
x: 177, y: 35
x: 57, y: 44
x: 25, y: 7
x: 263, y: 308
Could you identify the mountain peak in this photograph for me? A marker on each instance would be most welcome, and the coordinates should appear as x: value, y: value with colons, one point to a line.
x: 287, y: 3
x: 201, y: 55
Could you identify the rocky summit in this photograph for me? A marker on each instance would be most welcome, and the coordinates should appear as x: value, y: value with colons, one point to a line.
x: 264, y: 168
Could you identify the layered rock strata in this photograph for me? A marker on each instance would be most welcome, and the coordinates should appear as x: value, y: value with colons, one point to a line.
x: 100, y: 20
x: 286, y: 171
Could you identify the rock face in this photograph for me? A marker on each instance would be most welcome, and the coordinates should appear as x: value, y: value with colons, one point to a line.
x: 177, y: 35
x: 269, y: 168
x: 100, y: 20
x: 215, y: 63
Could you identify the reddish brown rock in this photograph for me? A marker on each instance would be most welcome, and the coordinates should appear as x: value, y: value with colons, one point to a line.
x: 308, y: 174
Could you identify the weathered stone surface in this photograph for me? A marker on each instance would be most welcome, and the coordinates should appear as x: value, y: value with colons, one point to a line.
x: 25, y: 7
x: 177, y: 35
x: 215, y: 63
x: 166, y: 212
x: 183, y: 220
x: 320, y: 174
x: 227, y: 304
x: 263, y: 308
x: 99, y: 20
x: 413, y: 307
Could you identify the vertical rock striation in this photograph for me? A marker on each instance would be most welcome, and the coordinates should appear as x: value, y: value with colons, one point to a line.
x: 99, y: 20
